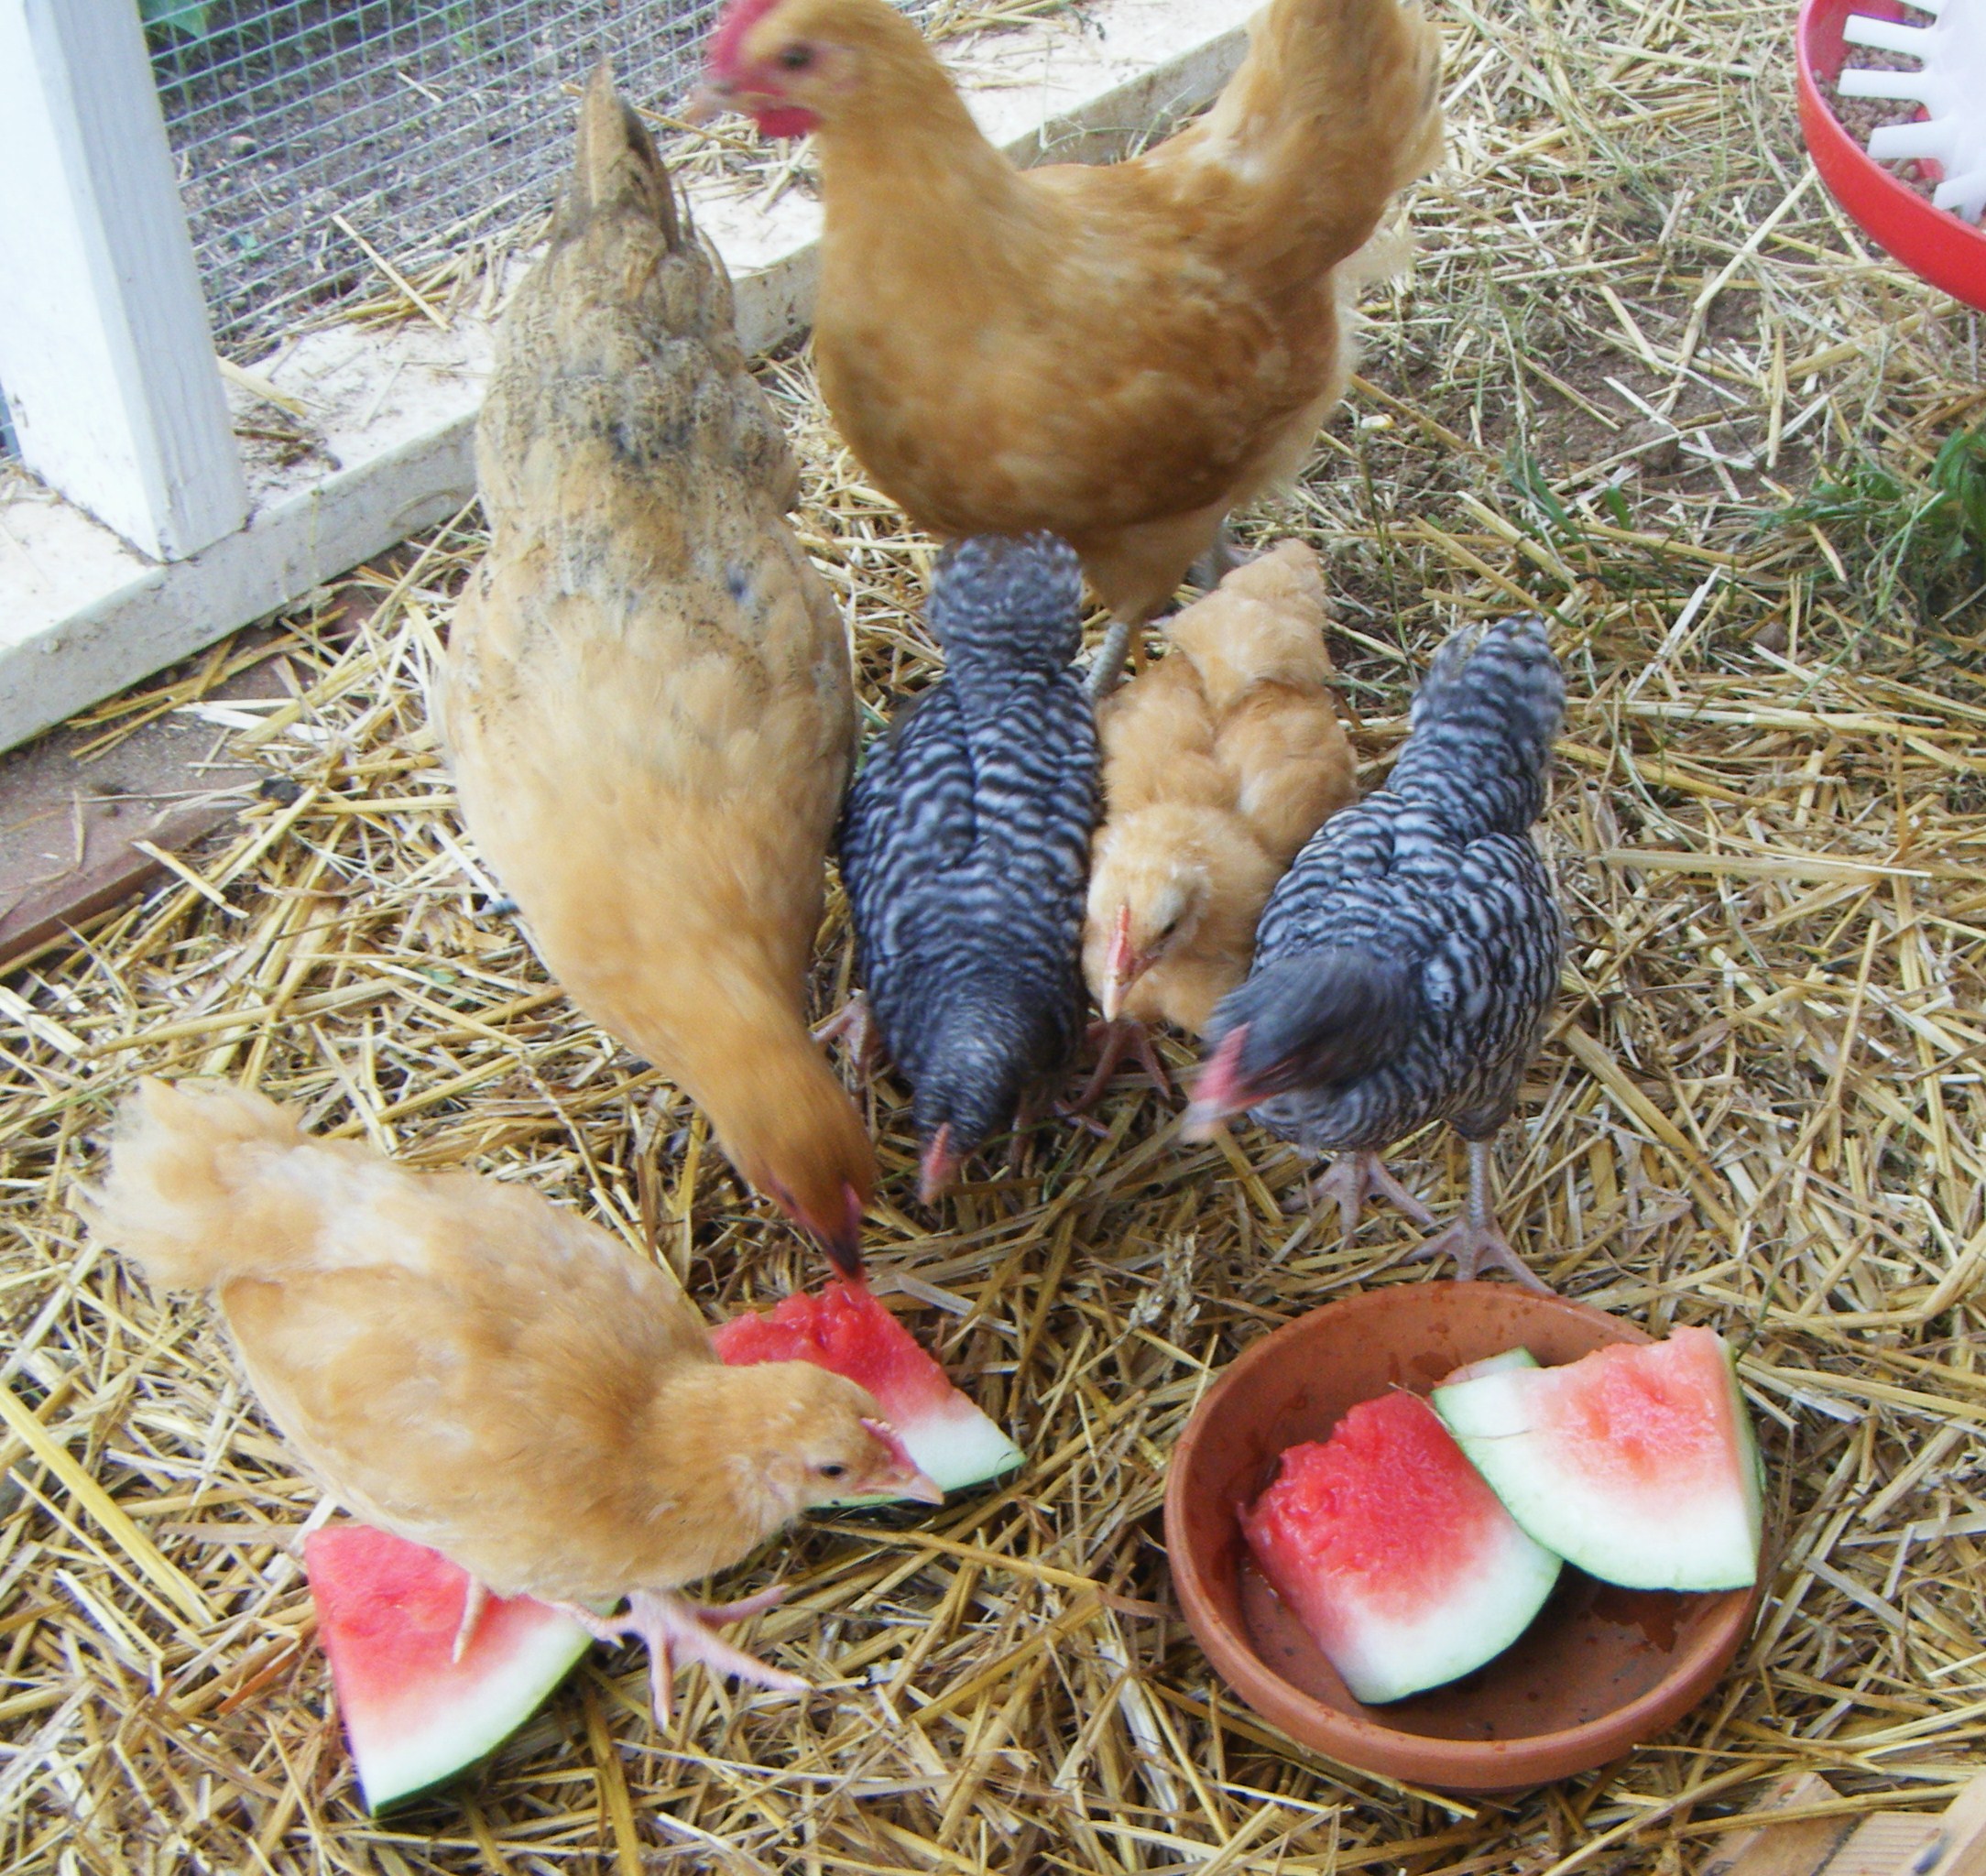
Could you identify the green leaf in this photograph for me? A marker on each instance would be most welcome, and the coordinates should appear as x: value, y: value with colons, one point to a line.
x: 186, y: 18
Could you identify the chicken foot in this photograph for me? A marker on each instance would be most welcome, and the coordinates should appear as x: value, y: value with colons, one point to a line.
x: 1114, y: 1039
x: 1473, y: 1240
x: 475, y: 1599
x: 854, y: 1023
x: 676, y: 1630
x: 1351, y: 1179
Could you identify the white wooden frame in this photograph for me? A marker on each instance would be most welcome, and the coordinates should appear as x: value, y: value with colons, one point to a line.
x: 104, y: 346
x: 84, y: 614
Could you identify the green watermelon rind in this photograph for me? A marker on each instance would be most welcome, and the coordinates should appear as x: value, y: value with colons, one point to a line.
x: 1685, y: 1550
x: 495, y: 1710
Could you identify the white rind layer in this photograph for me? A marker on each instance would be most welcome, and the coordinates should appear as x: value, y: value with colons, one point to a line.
x: 1699, y: 1535
x: 960, y: 1446
x: 486, y: 1715
x: 1383, y: 1658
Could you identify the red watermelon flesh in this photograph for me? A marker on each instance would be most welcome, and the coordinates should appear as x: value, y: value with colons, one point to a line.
x: 388, y: 1612
x: 1394, y: 1555
x: 846, y: 1329
x: 1636, y: 1463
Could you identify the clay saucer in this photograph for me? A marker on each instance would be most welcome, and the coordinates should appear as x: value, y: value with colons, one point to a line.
x: 1601, y: 1671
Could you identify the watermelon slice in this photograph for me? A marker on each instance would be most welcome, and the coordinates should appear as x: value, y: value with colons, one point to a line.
x: 846, y: 1329
x: 1491, y: 1364
x: 1636, y: 1463
x: 387, y: 1612
x: 1394, y: 1555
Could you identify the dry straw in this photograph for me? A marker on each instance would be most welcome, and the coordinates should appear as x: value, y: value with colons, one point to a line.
x: 1634, y: 324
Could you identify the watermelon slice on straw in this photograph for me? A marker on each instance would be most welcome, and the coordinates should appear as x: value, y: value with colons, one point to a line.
x: 1394, y: 1553
x: 1636, y: 1463
x: 388, y: 1612
x: 846, y: 1329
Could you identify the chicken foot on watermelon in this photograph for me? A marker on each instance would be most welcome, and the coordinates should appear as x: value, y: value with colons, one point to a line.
x: 1474, y: 1240
x: 676, y: 1630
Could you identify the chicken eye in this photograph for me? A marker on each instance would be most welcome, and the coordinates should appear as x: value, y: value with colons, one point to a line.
x: 796, y: 56
x: 833, y: 1470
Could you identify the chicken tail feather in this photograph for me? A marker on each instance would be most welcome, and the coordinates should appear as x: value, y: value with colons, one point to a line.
x: 618, y: 165
x: 188, y: 1163
x: 1484, y: 722
x: 1340, y: 101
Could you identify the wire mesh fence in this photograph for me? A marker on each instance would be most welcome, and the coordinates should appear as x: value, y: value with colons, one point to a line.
x: 307, y: 130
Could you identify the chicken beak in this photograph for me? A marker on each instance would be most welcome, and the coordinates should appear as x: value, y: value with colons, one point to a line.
x: 939, y: 1166
x: 1219, y: 1091
x: 1122, y: 967
x: 843, y: 1244
x: 902, y: 1477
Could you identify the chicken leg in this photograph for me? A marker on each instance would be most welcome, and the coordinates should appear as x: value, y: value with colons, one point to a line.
x: 1116, y: 1038
x: 1351, y: 1179
x: 854, y: 1024
x: 673, y: 1628
x: 1473, y: 1240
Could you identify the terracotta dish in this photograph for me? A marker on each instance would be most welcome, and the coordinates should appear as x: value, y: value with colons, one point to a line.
x: 1601, y: 1671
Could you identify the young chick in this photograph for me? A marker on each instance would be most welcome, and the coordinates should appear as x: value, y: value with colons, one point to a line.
x: 1219, y: 763
x: 648, y: 700
x: 1406, y: 964
x: 966, y: 846
x: 472, y: 1369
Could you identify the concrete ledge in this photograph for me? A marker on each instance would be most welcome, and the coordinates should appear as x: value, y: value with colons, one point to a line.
x: 390, y: 414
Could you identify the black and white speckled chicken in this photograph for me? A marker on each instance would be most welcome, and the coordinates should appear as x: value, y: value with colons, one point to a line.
x: 1405, y: 965
x: 965, y: 846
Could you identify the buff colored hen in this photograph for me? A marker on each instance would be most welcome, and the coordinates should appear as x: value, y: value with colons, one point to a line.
x: 1119, y: 353
x: 468, y: 1367
x: 1219, y: 763
x: 648, y: 700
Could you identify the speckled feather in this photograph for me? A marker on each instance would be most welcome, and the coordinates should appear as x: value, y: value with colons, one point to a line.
x: 965, y: 848
x: 1429, y: 903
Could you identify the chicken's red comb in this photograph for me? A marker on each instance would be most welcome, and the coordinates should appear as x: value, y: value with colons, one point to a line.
x: 732, y: 24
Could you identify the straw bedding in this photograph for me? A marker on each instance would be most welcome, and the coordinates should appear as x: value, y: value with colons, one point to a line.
x: 1636, y: 329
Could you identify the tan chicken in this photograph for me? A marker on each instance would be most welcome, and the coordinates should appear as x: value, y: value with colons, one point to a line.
x: 1119, y: 354
x: 1219, y: 763
x: 467, y: 1365
x: 648, y: 699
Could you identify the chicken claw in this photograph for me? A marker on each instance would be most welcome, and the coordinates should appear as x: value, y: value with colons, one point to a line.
x: 1114, y: 1040
x: 854, y: 1023
x: 473, y: 1600
x: 1473, y: 1240
x: 1351, y: 1179
x: 674, y: 1628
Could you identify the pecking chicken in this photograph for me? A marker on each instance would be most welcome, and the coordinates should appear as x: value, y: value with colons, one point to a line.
x: 468, y: 1367
x: 1406, y: 963
x: 965, y: 848
x: 1120, y: 354
x: 649, y: 698
x: 1218, y: 763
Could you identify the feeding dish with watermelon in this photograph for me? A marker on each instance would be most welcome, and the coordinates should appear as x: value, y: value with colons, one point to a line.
x: 1599, y: 1669
x: 844, y: 1328
x: 1418, y: 1542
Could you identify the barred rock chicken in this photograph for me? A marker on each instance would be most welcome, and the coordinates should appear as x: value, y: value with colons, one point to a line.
x: 472, y: 1369
x: 966, y: 846
x: 1218, y: 764
x: 1406, y: 964
x: 1118, y: 354
x: 648, y: 699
